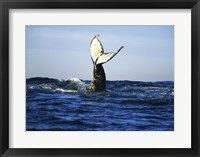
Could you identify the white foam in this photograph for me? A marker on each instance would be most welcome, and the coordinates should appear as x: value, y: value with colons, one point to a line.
x: 65, y: 90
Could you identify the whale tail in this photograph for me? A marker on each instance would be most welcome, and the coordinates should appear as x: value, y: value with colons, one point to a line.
x: 97, y: 52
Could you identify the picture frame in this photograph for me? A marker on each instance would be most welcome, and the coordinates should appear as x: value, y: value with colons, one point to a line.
x: 5, y: 5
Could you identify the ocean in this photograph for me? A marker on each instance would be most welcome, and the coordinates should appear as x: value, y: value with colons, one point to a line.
x: 65, y: 105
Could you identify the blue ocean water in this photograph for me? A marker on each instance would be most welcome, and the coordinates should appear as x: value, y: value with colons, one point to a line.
x: 65, y: 105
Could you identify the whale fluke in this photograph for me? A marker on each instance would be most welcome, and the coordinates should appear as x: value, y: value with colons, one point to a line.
x: 97, y: 52
x: 98, y: 56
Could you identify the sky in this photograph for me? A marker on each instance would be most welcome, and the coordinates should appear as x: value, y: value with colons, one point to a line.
x: 63, y: 52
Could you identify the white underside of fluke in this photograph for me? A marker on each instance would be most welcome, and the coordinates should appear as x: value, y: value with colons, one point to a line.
x: 105, y: 57
x: 97, y: 52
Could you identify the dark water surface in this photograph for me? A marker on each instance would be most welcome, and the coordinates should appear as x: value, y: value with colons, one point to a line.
x: 59, y: 105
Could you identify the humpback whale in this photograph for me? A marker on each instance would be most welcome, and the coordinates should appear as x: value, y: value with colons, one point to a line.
x: 98, y: 57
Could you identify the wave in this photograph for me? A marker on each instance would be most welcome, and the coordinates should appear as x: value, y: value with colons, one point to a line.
x: 40, y: 84
x: 126, y: 89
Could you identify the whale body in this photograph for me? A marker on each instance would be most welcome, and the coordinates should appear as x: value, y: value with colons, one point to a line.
x: 98, y: 57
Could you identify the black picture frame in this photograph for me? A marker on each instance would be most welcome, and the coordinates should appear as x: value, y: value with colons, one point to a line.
x: 5, y: 5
